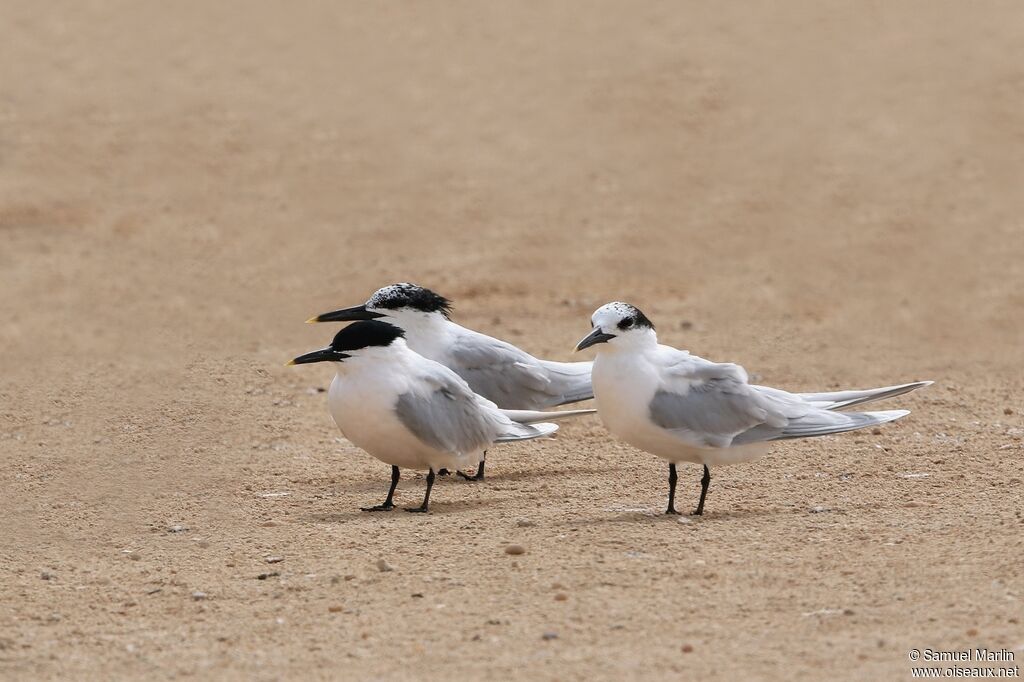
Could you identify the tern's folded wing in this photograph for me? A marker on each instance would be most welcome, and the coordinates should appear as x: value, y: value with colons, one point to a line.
x: 708, y: 413
x: 502, y: 373
x: 445, y: 421
x: 708, y: 404
x: 711, y: 405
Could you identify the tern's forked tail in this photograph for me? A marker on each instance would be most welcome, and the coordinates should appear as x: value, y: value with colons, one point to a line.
x: 842, y: 400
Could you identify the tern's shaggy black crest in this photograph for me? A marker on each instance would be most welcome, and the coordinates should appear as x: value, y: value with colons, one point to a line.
x: 405, y: 295
x: 634, y: 319
x: 364, y: 334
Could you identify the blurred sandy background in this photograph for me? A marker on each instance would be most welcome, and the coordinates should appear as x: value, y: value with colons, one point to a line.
x: 827, y: 193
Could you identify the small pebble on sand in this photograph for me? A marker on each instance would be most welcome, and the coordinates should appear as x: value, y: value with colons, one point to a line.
x: 687, y: 648
x: 383, y: 566
x: 547, y: 636
x: 515, y: 550
x: 274, y: 559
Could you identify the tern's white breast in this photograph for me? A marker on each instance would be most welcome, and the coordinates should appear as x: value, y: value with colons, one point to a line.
x: 363, y: 406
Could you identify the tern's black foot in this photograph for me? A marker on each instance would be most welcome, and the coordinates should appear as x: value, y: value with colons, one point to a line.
x: 424, y: 508
x: 444, y: 472
x: 387, y: 506
x: 479, y: 475
x: 671, y: 512
x: 697, y: 512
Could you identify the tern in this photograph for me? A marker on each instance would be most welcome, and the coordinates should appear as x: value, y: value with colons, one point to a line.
x: 683, y: 408
x: 504, y: 374
x: 411, y: 412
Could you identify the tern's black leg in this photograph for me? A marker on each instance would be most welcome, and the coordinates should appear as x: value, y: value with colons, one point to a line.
x: 423, y: 508
x: 672, y: 478
x: 705, y: 481
x: 479, y: 475
x: 388, y: 503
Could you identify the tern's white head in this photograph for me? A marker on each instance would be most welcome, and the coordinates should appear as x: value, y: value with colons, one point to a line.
x: 406, y: 305
x: 621, y: 326
x: 366, y: 341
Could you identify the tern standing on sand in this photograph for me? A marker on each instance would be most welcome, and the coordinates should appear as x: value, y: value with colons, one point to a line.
x: 683, y: 408
x: 411, y: 412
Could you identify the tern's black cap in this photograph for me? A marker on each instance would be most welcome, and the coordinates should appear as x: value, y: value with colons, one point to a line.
x: 364, y: 334
x: 632, y: 317
x: 405, y: 295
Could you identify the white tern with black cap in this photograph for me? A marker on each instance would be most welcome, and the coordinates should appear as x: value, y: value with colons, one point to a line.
x: 683, y: 408
x: 411, y: 412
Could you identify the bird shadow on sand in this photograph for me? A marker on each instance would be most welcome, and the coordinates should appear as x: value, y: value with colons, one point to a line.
x: 529, y: 474
x: 437, y: 508
x: 372, y: 485
x: 652, y: 516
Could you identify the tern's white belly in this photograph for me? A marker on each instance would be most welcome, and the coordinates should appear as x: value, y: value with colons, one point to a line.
x: 368, y: 419
x: 623, y: 395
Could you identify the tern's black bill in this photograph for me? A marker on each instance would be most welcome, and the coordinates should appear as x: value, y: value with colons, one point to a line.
x: 356, y: 312
x: 322, y: 355
x: 595, y: 337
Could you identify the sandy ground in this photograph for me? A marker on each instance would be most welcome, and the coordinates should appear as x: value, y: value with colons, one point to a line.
x: 827, y: 193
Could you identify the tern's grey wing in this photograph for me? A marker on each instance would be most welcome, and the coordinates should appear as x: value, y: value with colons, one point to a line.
x: 447, y: 416
x: 570, y: 380
x: 712, y: 405
x: 709, y: 412
x: 502, y: 373
x: 817, y: 422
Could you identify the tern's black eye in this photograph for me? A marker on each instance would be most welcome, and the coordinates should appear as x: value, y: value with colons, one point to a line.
x: 626, y: 323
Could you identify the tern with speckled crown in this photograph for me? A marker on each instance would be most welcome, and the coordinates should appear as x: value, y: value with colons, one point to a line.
x: 411, y: 412
x: 504, y: 374
x: 683, y: 408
